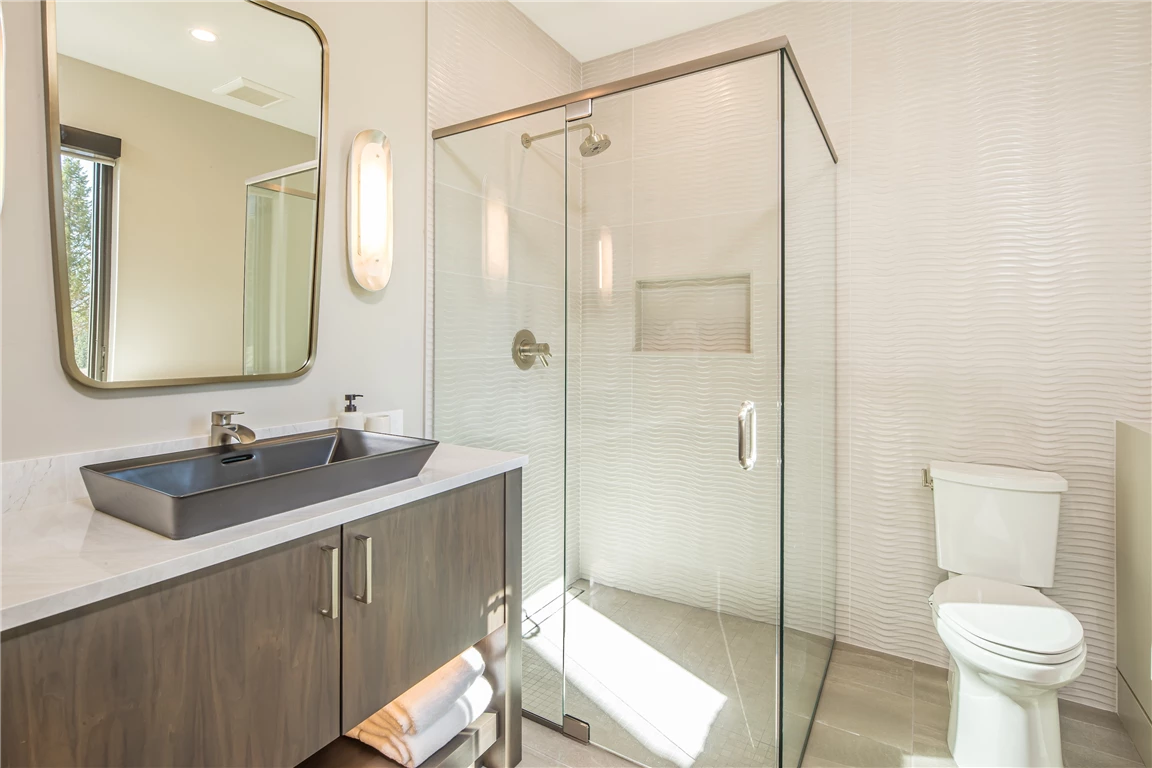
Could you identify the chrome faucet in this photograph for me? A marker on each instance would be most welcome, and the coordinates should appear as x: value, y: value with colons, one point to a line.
x: 224, y: 431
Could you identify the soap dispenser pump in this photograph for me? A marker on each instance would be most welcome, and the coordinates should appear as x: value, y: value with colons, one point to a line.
x: 349, y: 418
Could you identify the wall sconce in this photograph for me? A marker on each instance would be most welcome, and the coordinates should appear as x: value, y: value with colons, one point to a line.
x: 370, y: 209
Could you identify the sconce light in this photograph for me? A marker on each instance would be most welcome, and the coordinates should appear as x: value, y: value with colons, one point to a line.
x: 370, y: 209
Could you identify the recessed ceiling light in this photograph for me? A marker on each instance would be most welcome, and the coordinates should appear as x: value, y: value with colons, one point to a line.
x: 203, y: 35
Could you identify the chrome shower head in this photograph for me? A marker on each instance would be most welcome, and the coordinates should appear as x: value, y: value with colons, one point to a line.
x: 595, y: 144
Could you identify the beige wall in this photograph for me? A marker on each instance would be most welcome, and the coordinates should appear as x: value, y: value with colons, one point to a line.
x: 181, y: 211
x: 369, y: 343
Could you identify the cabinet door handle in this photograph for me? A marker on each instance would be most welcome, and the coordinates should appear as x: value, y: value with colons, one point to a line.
x: 333, y: 609
x: 366, y: 542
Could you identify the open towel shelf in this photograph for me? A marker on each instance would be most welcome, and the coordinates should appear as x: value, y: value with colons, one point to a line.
x: 463, y: 751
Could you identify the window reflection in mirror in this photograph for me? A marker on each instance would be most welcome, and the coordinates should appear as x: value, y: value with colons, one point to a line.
x: 189, y: 135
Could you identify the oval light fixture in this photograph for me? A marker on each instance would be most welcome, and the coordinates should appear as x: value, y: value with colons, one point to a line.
x: 203, y: 35
x: 370, y: 209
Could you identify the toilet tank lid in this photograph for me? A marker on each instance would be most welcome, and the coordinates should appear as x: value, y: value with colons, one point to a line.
x: 994, y: 476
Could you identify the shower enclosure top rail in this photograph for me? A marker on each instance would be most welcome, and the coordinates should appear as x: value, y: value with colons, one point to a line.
x: 649, y: 78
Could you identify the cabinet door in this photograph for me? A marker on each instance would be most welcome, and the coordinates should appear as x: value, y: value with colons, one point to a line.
x: 233, y: 666
x: 437, y: 584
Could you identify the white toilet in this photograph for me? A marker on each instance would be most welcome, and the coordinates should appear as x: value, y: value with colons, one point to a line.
x: 1012, y: 647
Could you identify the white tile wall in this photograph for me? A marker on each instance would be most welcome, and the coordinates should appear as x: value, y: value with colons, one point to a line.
x: 993, y: 270
x: 665, y: 509
x: 496, y: 260
x: 999, y: 288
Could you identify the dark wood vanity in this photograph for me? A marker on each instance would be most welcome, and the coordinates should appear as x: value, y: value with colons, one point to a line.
x: 265, y: 660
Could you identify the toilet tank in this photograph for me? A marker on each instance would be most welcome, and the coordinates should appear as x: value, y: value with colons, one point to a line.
x: 997, y: 522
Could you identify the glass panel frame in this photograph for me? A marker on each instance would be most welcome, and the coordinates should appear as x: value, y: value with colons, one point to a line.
x: 786, y: 750
x: 807, y: 629
x: 498, y: 268
x: 672, y: 448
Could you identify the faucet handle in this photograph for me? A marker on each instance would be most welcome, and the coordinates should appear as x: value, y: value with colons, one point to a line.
x: 223, y: 418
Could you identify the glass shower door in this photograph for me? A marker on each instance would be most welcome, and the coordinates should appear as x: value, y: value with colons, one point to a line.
x: 809, y: 424
x: 498, y: 271
x: 671, y: 621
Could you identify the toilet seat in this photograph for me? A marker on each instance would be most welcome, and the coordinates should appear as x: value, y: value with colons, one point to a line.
x: 1009, y: 620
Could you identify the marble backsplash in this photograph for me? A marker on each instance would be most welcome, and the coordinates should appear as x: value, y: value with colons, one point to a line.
x: 31, y: 483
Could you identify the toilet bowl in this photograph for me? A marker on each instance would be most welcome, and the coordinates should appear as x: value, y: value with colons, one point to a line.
x: 1012, y: 649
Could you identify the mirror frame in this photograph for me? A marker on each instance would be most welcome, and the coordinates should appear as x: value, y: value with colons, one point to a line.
x: 56, y: 218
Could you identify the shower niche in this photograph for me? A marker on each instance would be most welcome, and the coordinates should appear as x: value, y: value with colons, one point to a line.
x: 679, y: 608
x: 703, y: 315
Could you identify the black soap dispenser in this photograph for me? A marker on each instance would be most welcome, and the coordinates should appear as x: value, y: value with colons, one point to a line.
x: 349, y: 418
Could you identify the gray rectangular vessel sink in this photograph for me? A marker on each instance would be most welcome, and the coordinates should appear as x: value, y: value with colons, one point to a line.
x: 193, y: 492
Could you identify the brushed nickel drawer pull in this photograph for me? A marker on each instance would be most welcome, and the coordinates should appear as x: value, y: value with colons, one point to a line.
x: 333, y: 609
x: 366, y: 595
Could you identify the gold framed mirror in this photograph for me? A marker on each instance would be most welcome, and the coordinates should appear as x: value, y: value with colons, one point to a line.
x: 186, y: 164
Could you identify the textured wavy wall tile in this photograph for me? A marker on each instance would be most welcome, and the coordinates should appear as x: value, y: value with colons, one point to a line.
x: 992, y: 296
x: 999, y: 287
x: 606, y: 69
x: 665, y: 509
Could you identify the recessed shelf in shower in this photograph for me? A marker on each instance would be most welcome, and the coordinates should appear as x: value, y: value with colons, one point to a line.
x: 707, y: 315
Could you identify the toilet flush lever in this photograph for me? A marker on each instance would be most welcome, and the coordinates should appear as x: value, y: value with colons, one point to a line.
x: 926, y: 477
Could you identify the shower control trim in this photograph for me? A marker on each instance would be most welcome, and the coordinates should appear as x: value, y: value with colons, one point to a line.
x: 525, y: 350
x: 746, y: 435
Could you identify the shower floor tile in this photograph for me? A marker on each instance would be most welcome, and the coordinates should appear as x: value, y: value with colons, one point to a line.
x: 665, y: 684
x: 1092, y: 737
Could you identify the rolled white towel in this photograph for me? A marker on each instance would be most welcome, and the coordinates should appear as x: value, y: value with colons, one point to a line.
x: 428, y: 700
x: 412, y: 749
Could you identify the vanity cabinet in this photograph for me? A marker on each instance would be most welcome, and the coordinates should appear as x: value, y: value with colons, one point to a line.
x: 231, y: 666
x: 267, y: 660
x: 421, y: 584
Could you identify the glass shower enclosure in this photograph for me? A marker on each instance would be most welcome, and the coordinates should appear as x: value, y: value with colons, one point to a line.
x: 280, y: 215
x: 668, y: 242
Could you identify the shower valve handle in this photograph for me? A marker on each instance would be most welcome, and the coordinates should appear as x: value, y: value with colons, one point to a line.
x: 526, y: 350
x: 540, y: 350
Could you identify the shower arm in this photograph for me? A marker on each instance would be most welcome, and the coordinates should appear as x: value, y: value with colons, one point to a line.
x: 527, y: 140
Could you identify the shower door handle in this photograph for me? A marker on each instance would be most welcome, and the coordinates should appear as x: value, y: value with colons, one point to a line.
x: 746, y: 435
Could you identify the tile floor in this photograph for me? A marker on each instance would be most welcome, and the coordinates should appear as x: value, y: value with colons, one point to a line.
x: 881, y: 710
x: 876, y: 710
x: 715, y: 702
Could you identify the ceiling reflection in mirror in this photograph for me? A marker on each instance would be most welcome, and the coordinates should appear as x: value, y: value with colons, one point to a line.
x: 190, y: 145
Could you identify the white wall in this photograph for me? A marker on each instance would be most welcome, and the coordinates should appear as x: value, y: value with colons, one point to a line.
x: 370, y: 344
x: 994, y: 297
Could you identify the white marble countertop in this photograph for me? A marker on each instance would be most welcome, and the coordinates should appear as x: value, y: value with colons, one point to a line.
x: 64, y: 556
